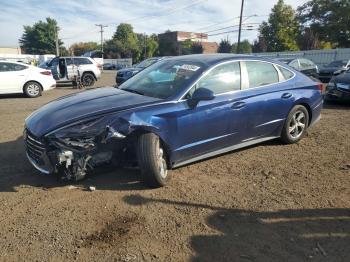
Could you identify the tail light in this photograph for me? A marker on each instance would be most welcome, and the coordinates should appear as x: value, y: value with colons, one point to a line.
x: 320, y: 87
x: 47, y: 73
x: 99, y: 66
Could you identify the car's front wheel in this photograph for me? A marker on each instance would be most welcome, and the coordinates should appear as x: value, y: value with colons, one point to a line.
x: 296, y: 125
x: 152, y: 160
x: 32, y: 89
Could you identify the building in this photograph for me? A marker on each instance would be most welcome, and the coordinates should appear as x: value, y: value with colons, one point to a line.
x: 174, y: 38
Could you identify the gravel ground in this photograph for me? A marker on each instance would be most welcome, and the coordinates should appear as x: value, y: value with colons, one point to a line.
x: 269, y: 202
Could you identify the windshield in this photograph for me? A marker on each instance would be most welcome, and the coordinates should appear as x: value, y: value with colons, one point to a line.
x: 147, y: 63
x: 163, y: 79
x: 337, y: 64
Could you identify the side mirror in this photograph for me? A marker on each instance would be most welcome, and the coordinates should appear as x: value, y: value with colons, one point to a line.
x: 201, y: 94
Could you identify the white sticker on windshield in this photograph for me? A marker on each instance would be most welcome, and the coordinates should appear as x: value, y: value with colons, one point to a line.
x: 189, y: 67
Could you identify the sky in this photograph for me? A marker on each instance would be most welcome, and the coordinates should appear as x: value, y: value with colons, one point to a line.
x: 77, y: 19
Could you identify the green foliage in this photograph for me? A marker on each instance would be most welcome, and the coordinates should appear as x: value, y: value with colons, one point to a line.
x: 225, y: 46
x: 245, y: 48
x: 40, y: 38
x: 80, y: 48
x: 185, y: 47
x: 196, y: 48
x: 148, y: 45
x: 329, y: 20
x: 189, y: 47
x: 281, y: 30
x: 127, y: 44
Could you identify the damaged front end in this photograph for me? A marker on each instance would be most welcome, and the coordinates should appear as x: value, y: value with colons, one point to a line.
x: 73, y: 150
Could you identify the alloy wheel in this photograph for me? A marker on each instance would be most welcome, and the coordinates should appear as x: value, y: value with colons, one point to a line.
x: 88, y: 80
x: 162, y: 163
x: 33, y: 89
x: 297, y: 124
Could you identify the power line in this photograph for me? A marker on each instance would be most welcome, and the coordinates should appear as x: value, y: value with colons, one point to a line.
x: 233, y: 31
x: 229, y: 20
x: 222, y: 28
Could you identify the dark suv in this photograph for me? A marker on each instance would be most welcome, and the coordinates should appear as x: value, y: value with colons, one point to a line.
x: 126, y: 73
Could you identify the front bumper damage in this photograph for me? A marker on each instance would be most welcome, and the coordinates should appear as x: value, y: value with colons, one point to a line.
x: 71, y: 158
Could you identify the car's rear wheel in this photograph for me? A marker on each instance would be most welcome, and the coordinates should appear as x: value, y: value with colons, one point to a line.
x: 88, y: 79
x: 296, y: 125
x: 152, y: 160
x: 32, y: 89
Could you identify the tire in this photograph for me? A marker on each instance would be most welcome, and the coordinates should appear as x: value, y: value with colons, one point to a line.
x: 32, y: 89
x: 296, y: 125
x: 152, y: 160
x: 88, y: 79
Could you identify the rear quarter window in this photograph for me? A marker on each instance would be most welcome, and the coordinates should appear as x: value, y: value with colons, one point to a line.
x: 286, y: 73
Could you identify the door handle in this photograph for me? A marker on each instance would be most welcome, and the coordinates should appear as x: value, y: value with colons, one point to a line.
x: 286, y: 95
x: 238, y: 105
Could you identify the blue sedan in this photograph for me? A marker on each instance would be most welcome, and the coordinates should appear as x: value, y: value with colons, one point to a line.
x: 180, y: 110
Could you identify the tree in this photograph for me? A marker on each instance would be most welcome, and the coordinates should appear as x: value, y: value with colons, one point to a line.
x: 329, y: 20
x: 281, y: 30
x: 124, y: 43
x: 80, y: 48
x: 186, y: 47
x: 148, y: 45
x: 259, y: 46
x: 41, y: 37
x: 196, y: 48
x: 245, y: 48
x: 225, y: 46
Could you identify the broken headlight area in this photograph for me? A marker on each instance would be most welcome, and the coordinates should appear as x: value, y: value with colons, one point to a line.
x: 80, y: 148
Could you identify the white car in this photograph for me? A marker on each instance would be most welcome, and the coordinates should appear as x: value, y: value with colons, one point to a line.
x: 22, y: 78
x: 66, y: 68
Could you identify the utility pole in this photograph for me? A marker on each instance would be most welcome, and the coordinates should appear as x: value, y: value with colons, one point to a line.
x: 101, y: 26
x: 145, y: 44
x: 240, y: 29
x: 56, y: 40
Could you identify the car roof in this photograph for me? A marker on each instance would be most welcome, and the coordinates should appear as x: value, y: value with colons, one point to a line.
x: 73, y: 57
x: 12, y: 62
x: 212, y: 59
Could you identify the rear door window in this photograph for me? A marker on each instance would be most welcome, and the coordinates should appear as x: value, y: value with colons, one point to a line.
x: 69, y: 61
x: 8, y: 67
x: 261, y: 73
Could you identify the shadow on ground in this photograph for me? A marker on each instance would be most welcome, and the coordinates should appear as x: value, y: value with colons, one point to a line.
x: 15, y: 171
x: 285, y: 235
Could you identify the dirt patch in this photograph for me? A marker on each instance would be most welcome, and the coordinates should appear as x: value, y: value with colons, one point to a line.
x: 113, y: 233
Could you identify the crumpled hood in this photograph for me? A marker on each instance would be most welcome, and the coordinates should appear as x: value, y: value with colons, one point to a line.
x: 75, y: 107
